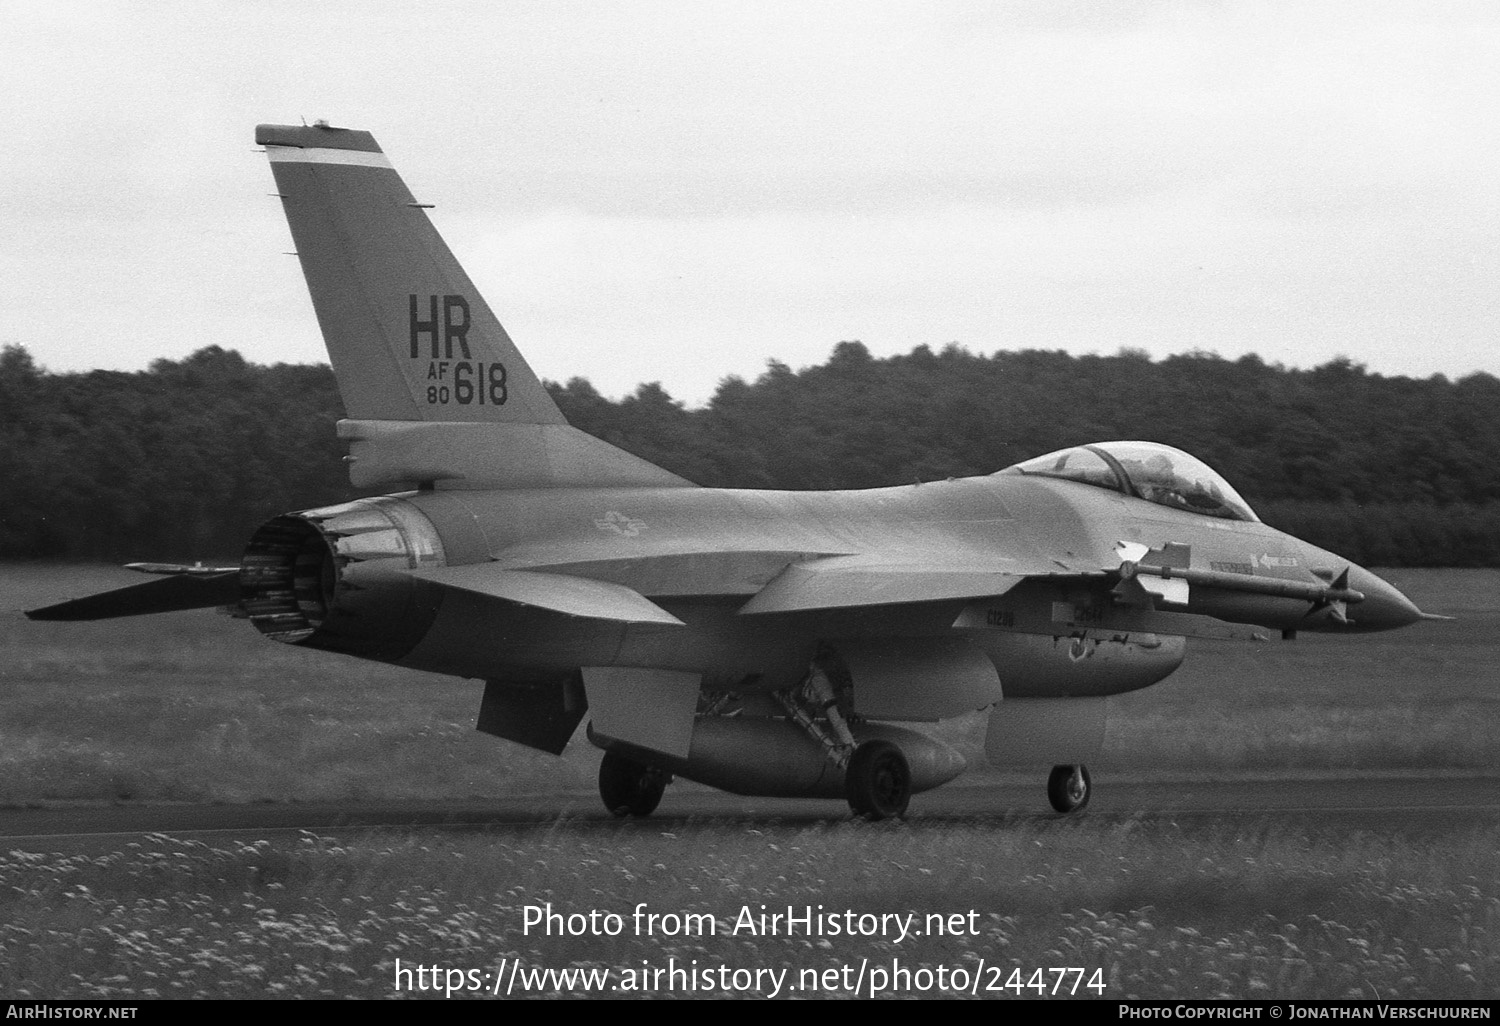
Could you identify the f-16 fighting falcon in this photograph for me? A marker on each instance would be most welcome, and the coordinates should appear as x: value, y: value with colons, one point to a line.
x: 763, y: 642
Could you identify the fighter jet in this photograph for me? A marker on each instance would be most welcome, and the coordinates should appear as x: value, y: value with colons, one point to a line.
x: 768, y: 643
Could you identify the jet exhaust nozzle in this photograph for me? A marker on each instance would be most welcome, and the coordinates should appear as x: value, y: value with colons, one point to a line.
x: 334, y: 578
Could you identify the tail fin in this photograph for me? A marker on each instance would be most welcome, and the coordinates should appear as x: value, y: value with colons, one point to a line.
x: 434, y: 388
x: 409, y: 336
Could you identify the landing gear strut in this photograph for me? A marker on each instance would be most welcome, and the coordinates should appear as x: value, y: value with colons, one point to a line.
x: 877, y: 777
x: 630, y: 788
x: 877, y: 781
x: 1068, y: 787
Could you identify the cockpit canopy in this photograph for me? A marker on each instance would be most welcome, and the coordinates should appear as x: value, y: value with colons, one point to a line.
x: 1151, y: 471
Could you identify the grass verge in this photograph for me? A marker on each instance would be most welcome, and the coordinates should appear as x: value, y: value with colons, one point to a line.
x: 1160, y: 910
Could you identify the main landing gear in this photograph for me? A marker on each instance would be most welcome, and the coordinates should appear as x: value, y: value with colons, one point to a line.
x: 1068, y: 787
x: 877, y: 777
x: 877, y: 781
x: 630, y: 788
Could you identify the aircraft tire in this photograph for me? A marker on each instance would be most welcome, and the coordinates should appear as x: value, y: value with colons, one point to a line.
x: 878, y: 781
x: 630, y: 788
x: 1069, y: 787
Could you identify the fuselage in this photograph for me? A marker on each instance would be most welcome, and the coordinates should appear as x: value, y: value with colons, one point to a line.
x: 702, y: 553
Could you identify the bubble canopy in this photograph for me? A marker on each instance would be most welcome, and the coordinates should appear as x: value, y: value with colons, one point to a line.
x: 1148, y: 470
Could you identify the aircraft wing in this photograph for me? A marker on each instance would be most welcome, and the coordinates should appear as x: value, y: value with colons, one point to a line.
x: 841, y: 582
x: 560, y: 593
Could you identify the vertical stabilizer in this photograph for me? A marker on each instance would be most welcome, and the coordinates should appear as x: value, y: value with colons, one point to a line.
x: 408, y: 334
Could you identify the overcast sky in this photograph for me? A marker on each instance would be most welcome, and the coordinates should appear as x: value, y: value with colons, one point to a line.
x: 682, y: 191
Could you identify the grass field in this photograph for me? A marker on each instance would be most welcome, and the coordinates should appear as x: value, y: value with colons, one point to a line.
x: 199, y: 707
x: 1143, y: 909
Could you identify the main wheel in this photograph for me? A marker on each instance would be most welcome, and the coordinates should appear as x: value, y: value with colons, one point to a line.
x: 630, y: 788
x: 878, y: 781
x: 1068, y: 787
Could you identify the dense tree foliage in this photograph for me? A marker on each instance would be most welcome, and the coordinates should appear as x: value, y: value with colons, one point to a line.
x: 184, y: 460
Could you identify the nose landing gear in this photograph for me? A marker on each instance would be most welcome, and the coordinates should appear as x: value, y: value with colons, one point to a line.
x: 1068, y: 787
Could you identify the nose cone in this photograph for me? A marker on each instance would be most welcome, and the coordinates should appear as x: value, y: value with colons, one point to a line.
x: 1384, y: 608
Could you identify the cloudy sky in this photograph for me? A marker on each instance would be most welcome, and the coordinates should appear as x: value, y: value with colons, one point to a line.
x: 682, y: 191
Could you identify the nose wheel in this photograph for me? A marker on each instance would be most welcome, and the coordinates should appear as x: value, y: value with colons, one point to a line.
x: 630, y: 788
x: 1068, y: 787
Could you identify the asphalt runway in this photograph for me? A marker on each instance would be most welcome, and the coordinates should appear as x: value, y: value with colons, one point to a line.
x: 1403, y: 804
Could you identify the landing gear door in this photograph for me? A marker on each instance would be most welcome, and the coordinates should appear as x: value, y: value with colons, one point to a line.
x: 651, y: 709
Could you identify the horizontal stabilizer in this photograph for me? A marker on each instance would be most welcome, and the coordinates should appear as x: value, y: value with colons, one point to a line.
x: 571, y: 596
x: 195, y: 569
x: 849, y: 581
x: 166, y: 595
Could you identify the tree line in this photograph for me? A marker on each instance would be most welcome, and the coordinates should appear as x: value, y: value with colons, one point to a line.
x: 185, y: 459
